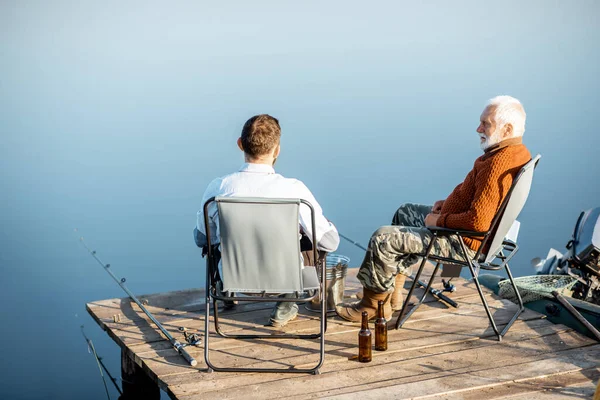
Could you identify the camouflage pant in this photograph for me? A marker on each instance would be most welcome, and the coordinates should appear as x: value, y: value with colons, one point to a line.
x: 394, y: 249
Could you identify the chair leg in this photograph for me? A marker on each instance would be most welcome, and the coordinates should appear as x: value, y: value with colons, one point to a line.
x: 206, y: 337
x: 519, y: 299
x: 400, y: 320
x: 430, y: 283
x: 478, y: 286
x: 207, y: 324
x: 323, y: 324
x: 314, y: 370
x: 484, y: 301
x: 217, y: 326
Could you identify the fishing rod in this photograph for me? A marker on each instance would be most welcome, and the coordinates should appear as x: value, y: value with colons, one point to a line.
x: 121, y: 282
x: 353, y: 242
x: 101, y: 365
x: 434, y: 292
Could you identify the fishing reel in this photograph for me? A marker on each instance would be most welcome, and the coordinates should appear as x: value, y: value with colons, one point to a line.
x: 587, y: 287
x: 192, y: 339
x: 448, y: 286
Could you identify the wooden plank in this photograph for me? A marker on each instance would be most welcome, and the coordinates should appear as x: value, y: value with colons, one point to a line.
x: 173, y: 303
x: 132, y: 331
x: 182, y: 300
x: 475, y: 325
x: 524, y: 368
x: 127, y: 325
x: 135, y: 327
x: 128, y: 312
x: 583, y: 391
x: 335, y: 342
x: 173, y: 308
x: 563, y: 382
x: 408, y: 347
x: 430, y: 333
x: 290, y: 353
x: 127, y: 334
x: 439, y: 351
x: 421, y: 373
x: 185, y: 304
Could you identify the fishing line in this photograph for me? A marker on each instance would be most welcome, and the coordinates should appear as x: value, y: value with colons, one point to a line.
x: 121, y: 282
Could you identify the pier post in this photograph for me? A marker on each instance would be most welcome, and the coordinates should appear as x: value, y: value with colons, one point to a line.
x: 136, y: 383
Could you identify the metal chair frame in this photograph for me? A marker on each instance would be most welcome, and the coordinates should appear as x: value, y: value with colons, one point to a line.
x: 212, y: 292
x: 474, y: 264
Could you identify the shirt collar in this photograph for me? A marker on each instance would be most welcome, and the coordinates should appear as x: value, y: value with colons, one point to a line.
x: 259, y: 168
x: 503, y: 144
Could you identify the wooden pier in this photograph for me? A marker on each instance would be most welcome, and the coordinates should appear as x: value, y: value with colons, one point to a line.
x: 440, y: 353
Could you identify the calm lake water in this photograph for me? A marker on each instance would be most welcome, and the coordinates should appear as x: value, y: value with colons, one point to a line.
x: 114, y: 117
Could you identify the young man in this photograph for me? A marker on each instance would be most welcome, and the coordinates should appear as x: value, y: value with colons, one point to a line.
x: 471, y: 206
x: 260, y: 142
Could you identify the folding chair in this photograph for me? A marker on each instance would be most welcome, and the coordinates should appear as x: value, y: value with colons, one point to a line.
x: 494, y: 243
x: 261, y: 259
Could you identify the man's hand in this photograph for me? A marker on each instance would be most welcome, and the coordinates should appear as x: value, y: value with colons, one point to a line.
x: 431, y: 219
x: 437, y: 207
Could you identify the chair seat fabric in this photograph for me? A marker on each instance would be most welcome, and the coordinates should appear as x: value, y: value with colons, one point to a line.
x: 310, y: 278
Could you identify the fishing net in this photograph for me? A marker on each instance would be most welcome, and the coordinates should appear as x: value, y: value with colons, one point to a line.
x: 536, y: 287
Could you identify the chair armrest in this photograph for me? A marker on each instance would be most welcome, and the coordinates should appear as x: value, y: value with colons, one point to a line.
x: 460, y: 232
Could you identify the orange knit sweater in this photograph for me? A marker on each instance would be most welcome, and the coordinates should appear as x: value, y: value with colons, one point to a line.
x: 473, y: 203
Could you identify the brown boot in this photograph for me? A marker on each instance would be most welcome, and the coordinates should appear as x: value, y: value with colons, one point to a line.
x: 396, y: 300
x: 353, y: 311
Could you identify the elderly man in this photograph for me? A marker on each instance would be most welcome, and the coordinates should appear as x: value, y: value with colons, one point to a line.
x: 471, y: 206
x: 256, y: 178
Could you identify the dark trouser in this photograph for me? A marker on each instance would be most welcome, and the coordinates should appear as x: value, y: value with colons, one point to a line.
x: 393, y: 249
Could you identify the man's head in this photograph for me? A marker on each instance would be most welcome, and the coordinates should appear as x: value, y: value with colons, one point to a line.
x: 503, y: 118
x: 260, y: 139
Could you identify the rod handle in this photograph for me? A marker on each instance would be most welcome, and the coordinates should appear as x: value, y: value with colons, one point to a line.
x: 439, y: 295
x: 448, y: 300
x: 191, y: 360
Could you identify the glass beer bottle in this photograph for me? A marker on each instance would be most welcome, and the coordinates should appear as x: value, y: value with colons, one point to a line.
x: 380, y: 329
x: 364, y: 340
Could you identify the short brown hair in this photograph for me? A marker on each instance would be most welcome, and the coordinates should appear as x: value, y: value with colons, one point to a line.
x: 260, y: 135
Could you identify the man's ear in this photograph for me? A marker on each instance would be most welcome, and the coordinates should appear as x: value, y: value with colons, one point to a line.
x: 277, y: 151
x: 508, y: 131
x: 239, y: 142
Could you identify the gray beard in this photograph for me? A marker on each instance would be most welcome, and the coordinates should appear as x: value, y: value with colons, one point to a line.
x: 491, y: 141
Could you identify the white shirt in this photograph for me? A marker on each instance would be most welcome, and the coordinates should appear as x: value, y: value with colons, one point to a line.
x: 260, y: 180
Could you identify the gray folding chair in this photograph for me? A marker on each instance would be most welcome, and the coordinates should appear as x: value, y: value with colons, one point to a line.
x: 261, y: 259
x: 493, y: 243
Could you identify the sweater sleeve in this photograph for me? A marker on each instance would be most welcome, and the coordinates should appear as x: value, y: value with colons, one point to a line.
x: 492, y: 184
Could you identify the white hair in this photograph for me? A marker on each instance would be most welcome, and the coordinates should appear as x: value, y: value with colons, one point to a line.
x: 509, y: 111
